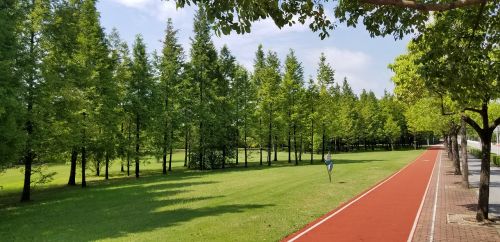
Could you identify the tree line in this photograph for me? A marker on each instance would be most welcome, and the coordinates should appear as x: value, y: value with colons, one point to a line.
x: 72, y: 92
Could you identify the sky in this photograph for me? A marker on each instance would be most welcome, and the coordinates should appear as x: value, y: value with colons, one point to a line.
x: 350, y: 51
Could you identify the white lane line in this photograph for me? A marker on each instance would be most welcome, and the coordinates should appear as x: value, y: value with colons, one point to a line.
x: 414, y: 227
x: 353, y: 201
x: 431, y: 237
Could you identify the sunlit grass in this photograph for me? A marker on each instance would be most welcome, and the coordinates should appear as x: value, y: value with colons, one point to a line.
x: 237, y: 204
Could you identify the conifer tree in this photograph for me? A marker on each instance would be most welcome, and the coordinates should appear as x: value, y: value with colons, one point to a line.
x: 325, y: 77
x: 140, y: 96
x: 204, y: 74
x: 268, y: 92
x: 290, y: 95
x: 259, y: 67
x: 170, y: 78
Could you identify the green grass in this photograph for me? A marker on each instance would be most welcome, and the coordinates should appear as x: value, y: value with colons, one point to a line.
x: 237, y: 204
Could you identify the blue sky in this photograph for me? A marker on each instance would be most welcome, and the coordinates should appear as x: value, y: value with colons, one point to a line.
x: 351, y: 52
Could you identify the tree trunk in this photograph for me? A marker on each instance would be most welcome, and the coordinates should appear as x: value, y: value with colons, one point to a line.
x: 415, y: 141
x: 484, y: 180
x: 122, y: 169
x: 301, y: 145
x: 289, y: 145
x: 186, y: 147
x: 450, y: 147
x: 72, y: 170
x: 223, y: 157
x: 171, y: 150
x: 269, y: 138
x: 312, y: 141
x: 106, y: 173
x: 465, y: 162
x: 128, y: 145
x: 28, y: 161
x: 275, y: 148
x: 455, y: 155
x: 137, y: 140
x: 84, y: 152
x: 98, y: 167
x: 164, y: 164
x: 295, y: 144
x: 246, y: 155
x: 323, y: 145
x: 237, y: 137
x: 84, y: 163
x: 260, y: 139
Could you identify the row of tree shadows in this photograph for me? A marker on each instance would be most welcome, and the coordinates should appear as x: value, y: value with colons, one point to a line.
x: 122, y: 205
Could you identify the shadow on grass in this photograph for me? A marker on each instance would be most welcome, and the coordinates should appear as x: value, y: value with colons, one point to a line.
x: 119, y: 179
x: 112, y: 210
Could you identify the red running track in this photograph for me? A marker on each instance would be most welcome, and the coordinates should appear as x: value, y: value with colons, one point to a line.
x: 386, y: 212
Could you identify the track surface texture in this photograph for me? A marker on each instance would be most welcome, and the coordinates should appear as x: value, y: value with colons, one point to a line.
x: 386, y: 212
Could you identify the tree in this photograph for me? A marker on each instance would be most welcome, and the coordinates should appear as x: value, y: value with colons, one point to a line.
x: 293, y: 80
x: 245, y: 98
x: 259, y: 67
x: 122, y: 78
x: 325, y: 78
x: 311, y: 101
x: 268, y: 93
x: 228, y: 105
x: 11, y: 127
x: 391, y: 130
x: 170, y: 77
x: 140, y: 95
x: 204, y: 74
x: 29, y: 38
x: 348, y: 117
x: 371, y: 120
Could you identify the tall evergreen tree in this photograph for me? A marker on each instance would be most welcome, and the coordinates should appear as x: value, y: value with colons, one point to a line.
x: 204, y: 70
x: 268, y: 92
x: 293, y: 80
x: 140, y: 95
x: 259, y: 67
x: 245, y: 98
x: 312, y: 96
x: 325, y: 77
x: 170, y: 78
x: 227, y: 110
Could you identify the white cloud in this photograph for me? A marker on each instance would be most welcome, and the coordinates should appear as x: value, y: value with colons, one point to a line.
x: 161, y: 10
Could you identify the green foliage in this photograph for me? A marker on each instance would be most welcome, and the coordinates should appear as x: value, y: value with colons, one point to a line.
x: 425, y: 116
x: 11, y: 132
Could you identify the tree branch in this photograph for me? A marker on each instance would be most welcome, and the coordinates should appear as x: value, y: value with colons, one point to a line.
x: 473, y: 124
x: 495, y: 123
x: 473, y: 110
x: 426, y: 7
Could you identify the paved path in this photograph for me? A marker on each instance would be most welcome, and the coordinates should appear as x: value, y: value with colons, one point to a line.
x: 386, y: 212
x: 455, y: 208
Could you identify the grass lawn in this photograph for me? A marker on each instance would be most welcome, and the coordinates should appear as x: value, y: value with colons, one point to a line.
x: 237, y: 204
